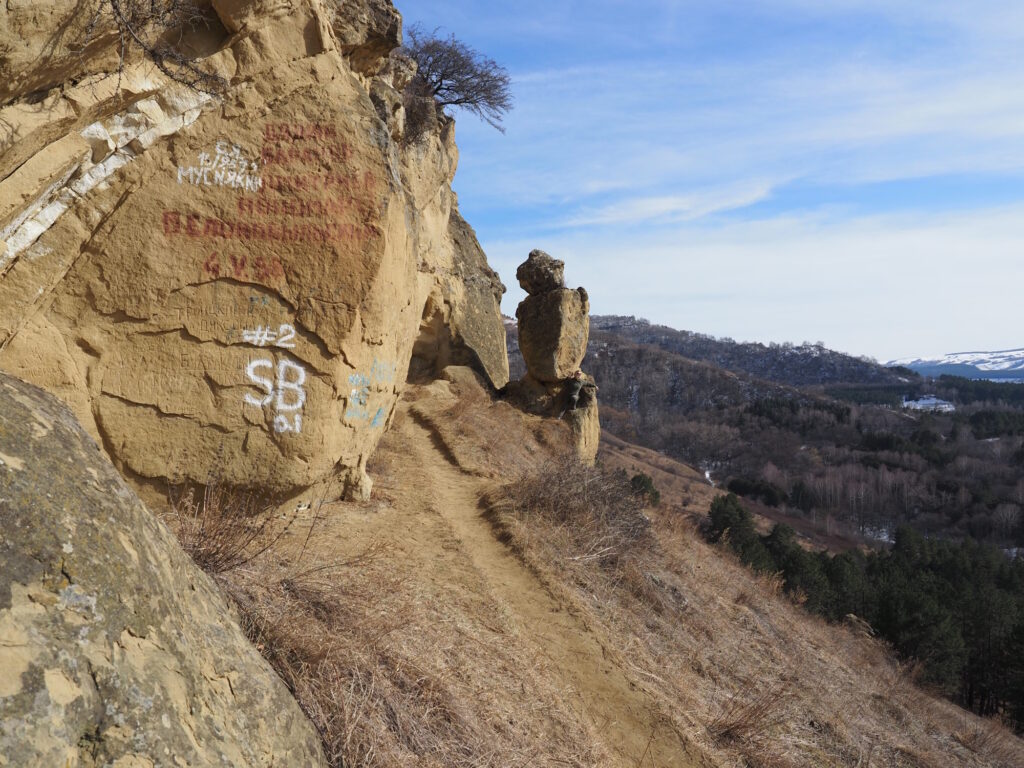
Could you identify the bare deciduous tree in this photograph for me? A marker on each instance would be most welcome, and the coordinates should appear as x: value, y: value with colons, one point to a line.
x: 456, y: 75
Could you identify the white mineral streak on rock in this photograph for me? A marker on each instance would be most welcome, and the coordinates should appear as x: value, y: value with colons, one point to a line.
x: 140, y: 126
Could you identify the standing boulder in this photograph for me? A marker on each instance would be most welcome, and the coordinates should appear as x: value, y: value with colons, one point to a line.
x: 115, y: 649
x: 553, y: 330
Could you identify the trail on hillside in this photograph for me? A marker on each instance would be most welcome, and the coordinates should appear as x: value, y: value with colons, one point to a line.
x: 621, y: 713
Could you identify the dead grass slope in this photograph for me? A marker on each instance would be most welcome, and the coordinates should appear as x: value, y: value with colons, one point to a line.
x: 493, y: 606
x: 738, y: 669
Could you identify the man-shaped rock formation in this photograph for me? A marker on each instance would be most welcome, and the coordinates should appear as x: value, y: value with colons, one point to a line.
x: 554, y: 321
x: 554, y: 325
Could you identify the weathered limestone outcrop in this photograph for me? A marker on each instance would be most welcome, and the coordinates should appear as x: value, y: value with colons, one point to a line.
x: 115, y: 649
x: 554, y: 324
x: 554, y: 321
x: 231, y: 284
x: 457, y: 327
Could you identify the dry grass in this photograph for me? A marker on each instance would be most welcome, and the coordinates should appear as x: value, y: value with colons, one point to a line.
x: 991, y: 741
x: 223, y: 528
x: 487, y: 438
x: 744, y: 672
x: 401, y: 657
x: 594, y: 515
x: 752, y: 715
x: 327, y: 631
x: 389, y: 672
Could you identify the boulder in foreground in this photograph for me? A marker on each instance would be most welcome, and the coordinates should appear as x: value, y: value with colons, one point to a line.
x: 115, y: 649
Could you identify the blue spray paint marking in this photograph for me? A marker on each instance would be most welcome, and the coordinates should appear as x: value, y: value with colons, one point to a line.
x: 381, y: 373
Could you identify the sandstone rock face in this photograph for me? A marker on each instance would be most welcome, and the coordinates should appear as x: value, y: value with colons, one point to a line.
x: 42, y: 42
x: 367, y: 32
x: 553, y: 331
x: 551, y: 399
x: 458, y: 325
x: 115, y: 649
x: 586, y: 429
x: 232, y: 285
x: 540, y: 273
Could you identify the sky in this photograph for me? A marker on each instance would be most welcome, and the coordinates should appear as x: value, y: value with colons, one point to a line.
x: 844, y: 171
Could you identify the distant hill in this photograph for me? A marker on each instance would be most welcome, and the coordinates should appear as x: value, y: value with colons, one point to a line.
x: 795, y: 365
x: 787, y: 364
x: 996, y: 366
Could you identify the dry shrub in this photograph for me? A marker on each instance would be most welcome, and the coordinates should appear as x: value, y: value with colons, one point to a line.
x: 593, y: 512
x: 224, y: 528
x: 455, y: 75
x: 749, y: 717
x: 156, y: 27
x: 992, y: 741
x: 421, y: 112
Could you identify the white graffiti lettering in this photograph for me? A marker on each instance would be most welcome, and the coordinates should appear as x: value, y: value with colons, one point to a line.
x: 293, y: 385
x: 259, y: 381
x: 227, y: 167
x: 262, y: 335
x: 287, y: 392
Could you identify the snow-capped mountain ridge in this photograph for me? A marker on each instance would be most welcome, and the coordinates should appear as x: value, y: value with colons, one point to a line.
x: 1003, y: 362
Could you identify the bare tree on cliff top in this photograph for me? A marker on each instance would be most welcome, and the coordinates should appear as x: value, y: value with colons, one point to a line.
x: 456, y: 75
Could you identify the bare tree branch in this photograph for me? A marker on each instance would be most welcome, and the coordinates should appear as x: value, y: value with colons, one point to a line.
x: 456, y: 75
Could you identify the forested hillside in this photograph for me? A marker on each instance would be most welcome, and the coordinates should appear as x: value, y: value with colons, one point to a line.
x: 832, y: 455
x: 956, y: 608
x: 804, y: 364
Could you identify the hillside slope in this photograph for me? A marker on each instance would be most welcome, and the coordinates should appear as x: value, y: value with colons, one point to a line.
x: 830, y: 458
x: 510, y: 647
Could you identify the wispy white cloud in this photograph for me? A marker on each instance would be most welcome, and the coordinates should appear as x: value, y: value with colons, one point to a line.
x: 671, y: 208
x: 886, y: 285
x: 842, y: 124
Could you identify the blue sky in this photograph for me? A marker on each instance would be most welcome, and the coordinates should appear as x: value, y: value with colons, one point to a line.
x: 850, y: 171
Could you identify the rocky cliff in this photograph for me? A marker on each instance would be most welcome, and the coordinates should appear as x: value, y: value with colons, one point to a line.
x: 221, y: 256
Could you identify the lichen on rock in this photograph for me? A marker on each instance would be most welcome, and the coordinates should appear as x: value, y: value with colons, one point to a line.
x: 115, y: 649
